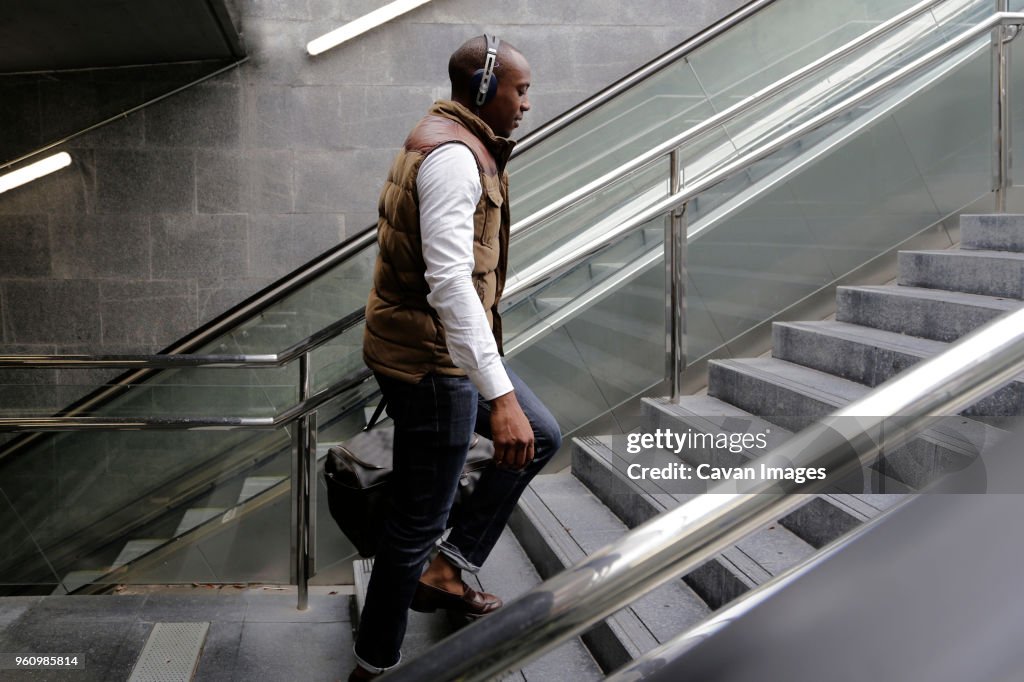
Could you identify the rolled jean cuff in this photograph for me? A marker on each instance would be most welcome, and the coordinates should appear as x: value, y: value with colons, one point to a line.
x: 369, y: 667
x: 452, y: 553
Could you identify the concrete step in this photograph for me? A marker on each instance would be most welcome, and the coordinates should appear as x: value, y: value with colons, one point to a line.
x: 559, y: 522
x: 133, y: 549
x: 927, y: 313
x: 197, y: 516
x: 507, y: 573
x: 793, y: 397
x: 990, y: 273
x: 825, y: 517
x: 254, y: 485
x: 1003, y: 232
x: 871, y: 356
x: 750, y: 562
x: 78, y: 579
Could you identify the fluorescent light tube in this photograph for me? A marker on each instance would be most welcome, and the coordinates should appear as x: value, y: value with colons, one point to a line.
x: 34, y: 171
x: 362, y: 25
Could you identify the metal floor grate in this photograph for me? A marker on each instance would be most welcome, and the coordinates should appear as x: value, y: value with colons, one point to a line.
x: 171, y: 653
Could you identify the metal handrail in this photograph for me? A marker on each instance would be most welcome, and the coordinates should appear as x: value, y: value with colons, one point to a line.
x: 683, y: 538
x: 647, y: 70
x: 529, y: 223
x: 302, y: 415
x: 568, y: 259
x: 182, y: 360
x: 688, y: 639
x: 247, y: 310
x: 187, y: 423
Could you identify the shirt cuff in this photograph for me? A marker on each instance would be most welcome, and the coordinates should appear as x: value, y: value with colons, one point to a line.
x: 491, y: 381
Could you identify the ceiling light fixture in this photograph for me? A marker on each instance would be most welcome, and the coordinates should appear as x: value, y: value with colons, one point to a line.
x: 34, y: 171
x: 362, y: 25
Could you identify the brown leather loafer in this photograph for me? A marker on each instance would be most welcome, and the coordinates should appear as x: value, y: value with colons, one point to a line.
x: 471, y: 604
x: 359, y: 674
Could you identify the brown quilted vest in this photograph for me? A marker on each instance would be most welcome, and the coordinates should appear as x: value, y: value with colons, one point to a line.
x: 404, y: 338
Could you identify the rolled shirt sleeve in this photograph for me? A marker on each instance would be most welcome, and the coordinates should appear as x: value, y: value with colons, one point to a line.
x: 448, y: 184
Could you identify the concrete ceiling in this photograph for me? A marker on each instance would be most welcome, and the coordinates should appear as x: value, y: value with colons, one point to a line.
x: 53, y: 35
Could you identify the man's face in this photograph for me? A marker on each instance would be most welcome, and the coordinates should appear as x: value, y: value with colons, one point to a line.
x: 504, y: 112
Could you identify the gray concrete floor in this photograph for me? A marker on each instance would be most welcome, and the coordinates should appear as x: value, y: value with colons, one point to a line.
x: 256, y: 633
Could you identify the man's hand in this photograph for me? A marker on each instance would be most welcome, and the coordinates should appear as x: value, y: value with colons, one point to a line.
x: 511, y: 433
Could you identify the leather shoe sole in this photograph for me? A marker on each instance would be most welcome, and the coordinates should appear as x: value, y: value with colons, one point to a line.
x: 471, y: 604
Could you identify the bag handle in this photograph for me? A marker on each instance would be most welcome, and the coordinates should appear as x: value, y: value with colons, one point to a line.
x: 376, y: 414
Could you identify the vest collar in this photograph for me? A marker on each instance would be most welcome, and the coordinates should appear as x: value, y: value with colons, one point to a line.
x: 500, y: 147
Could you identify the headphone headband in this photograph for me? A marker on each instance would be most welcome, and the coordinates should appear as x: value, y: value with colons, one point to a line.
x: 490, y: 62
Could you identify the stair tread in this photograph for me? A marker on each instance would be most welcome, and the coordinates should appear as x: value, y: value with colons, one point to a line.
x: 254, y: 485
x: 788, y: 548
x: 802, y: 395
x: 753, y: 560
x: 970, y: 253
x: 508, y: 573
x: 956, y: 297
x: 707, y: 408
x: 197, y: 516
x: 577, y: 523
x: 879, y: 338
x: 136, y: 548
x: 1003, y: 232
x: 76, y: 579
x: 827, y: 388
x: 870, y: 335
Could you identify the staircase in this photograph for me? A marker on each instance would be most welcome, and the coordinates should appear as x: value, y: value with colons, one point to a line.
x: 815, y: 368
x: 222, y: 505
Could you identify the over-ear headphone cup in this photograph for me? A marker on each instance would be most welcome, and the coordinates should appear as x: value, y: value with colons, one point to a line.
x: 492, y: 89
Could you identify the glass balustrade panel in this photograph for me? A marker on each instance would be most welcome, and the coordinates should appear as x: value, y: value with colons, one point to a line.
x: 734, y: 65
x: 751, y: 56
x: 853, y: 199
x: 595, y: 336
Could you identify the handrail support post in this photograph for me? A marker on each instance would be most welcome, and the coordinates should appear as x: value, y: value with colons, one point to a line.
x: 675, y: 284
x: 303, y: 489
x: 1002, y: 125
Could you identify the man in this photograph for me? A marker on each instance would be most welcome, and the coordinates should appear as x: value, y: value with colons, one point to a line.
x: 433, y: 339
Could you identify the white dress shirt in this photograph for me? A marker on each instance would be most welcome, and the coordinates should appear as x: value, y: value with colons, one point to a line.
x: 449, y: 190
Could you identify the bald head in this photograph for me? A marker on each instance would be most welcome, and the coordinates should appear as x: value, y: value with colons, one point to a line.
x: 510, y: 102
x: 469, y: 58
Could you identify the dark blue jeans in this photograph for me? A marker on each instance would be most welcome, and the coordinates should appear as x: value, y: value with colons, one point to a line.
x: 434, y: 424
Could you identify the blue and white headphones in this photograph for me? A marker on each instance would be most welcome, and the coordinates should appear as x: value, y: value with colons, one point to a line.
x: 484, y: 80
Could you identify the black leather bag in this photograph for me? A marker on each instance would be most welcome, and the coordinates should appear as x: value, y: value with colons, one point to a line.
x: 358, y: 474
